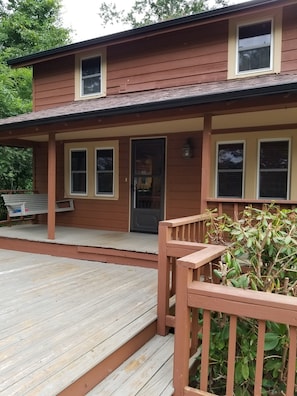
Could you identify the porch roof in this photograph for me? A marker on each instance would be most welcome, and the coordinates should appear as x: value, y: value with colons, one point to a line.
x: 157, y: 99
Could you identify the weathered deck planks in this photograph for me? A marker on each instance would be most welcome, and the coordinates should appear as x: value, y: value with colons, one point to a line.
x: 60, y: 317
x: 147, y: 372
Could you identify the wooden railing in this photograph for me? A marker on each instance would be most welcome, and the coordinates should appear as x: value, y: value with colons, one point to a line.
x: 178, y: 238
x: 192, y: 295
x: 233, y: 207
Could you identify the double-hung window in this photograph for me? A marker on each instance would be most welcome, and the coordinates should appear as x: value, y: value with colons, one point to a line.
x: 105, y: 171
x: 78, y: 170
x: 273, y: 176
x: 254, y: 47
x: 230, y: 167
x: 91, y: 76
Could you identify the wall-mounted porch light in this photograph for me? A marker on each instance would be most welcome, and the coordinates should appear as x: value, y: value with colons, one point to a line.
x: 187, y: 149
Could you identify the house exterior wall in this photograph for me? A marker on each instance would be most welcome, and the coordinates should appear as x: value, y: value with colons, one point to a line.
x: 193, y: 55
x: 182, y: 188
x: 289, y: 47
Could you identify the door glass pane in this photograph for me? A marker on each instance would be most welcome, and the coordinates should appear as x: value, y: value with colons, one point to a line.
x: 148, y: 166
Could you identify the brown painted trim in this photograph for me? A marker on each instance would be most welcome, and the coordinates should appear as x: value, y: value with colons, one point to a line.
x: 93, y: 377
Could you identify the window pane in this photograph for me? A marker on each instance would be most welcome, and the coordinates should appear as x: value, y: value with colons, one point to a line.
x: 273, y: 177
x: 230, y: 184
x: 254, y: 59
x: 254, y: 46
x: 230, y: 156
x: 78, y: 183
x: 104, y: 170
x: 274, y: 155
x: 104, y: 183
x: 105, y: 160
x: 78, y: 160
x: 78, y: 172
x: 90, y: 66
x: 91, y: 85
x: 230, y: 170
x: 273, y: 185
x: 91, y: 75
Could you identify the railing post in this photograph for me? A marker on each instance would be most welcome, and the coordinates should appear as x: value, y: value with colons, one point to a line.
x: 163, y: 278
x: 182, y: 330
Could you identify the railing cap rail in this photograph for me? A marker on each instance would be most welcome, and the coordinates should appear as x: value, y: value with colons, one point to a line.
x: 200, y: 258
x: 186, y: 220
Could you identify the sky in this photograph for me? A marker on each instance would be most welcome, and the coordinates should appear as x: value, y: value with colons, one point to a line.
x: 82, y: 17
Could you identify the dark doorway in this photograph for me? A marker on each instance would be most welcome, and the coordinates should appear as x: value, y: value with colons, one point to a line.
x: 148, y: 183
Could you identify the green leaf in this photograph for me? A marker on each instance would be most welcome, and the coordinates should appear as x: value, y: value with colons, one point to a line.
x: 271, y: 341
x: 245, y: 371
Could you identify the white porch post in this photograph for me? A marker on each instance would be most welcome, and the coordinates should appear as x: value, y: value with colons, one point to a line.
x: 51, y: 217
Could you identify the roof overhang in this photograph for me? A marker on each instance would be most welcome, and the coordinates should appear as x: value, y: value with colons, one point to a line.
x: 157, y: 100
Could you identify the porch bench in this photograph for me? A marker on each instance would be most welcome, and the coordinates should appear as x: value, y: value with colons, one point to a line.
x: 20, y: 205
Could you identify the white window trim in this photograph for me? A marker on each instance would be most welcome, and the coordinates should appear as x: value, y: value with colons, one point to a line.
x: 91, y: 171
x: 289, y: 166
x: 78, y: 74
x: 102, y: 195
x: 70, y: 172
x: 276, y: 44
x: 224, y: 142
x: 261, y: 70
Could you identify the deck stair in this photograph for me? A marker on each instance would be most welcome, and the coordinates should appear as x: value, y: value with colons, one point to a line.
x: 146, y: 373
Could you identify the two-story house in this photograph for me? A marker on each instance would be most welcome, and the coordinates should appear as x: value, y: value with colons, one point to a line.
x: 166, y: 120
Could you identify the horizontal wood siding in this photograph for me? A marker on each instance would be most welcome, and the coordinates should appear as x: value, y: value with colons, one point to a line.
x: 182, y: 186
x: 289, y: 47
x: 183, y: 177
x: 53, y: 83
x: 177, y: 58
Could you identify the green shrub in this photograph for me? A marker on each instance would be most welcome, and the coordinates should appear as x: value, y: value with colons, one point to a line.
x: 261, y: 255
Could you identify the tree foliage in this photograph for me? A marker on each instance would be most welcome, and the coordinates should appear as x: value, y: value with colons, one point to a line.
x: 26, y: 26
x: 145, y: 12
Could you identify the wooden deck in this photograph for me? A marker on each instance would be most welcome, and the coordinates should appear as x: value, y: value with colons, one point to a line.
x: 127, y: 248
x: 65, y: 324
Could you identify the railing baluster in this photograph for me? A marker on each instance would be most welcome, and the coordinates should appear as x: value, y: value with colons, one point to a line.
x: 260, y: 357
x: 205, y: 350
x: 292, y: 362
x: 231, y: 355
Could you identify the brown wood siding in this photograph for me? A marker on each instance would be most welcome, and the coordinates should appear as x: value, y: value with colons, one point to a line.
x: 177, y: 58
x: 289, y: 45
x: 183, y: 177
x: 53, y: 83
x: 89, y: 213
x: 182, y: 187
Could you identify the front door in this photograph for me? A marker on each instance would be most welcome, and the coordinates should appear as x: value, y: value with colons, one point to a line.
x: 148, y: 181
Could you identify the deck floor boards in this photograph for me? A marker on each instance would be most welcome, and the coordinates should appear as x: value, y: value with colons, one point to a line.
x: 60, y: 317
x: 146, y: 373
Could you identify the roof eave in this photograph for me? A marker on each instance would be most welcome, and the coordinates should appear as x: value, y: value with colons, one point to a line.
x: 157, y: 105
x: 136, y: 33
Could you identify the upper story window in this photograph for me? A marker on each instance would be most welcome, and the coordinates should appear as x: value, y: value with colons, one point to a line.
x: 230, y: 167
x: 273, y: 169
x: 254, y: 47
x: 90, y: 75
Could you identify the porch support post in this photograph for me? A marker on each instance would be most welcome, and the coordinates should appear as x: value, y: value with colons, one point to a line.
x: 51, y: 188
x: 205, y: 162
